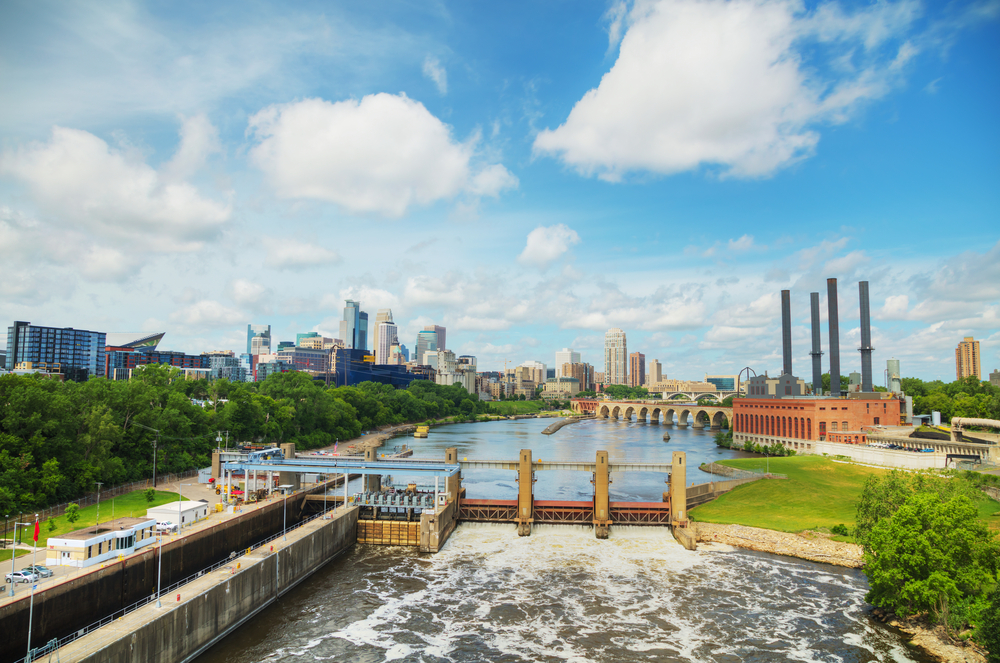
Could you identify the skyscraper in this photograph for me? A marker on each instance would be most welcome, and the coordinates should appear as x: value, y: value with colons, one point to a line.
x: 258, y: 339
x: 76, y: 353
x: 565, y: 356
x: 354, y: 326
x: 385, y: 334
x: 967, y: 359
x: 439, y: 330
x: 426, y: 342
x: 636, y: 369
x: 383, y: 315
x: 655, y: 373
x: 615, y: 357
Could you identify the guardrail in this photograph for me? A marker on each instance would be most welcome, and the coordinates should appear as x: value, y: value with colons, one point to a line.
x: 54, y: 644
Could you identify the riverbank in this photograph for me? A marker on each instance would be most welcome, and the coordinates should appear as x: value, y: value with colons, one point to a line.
x: 809, y: 545
x: 932, y: 638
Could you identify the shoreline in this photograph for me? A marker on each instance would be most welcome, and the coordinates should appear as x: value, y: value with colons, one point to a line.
x: 811, y: 546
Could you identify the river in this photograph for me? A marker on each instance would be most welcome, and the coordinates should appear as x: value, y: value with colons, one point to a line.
x: 561, y: 594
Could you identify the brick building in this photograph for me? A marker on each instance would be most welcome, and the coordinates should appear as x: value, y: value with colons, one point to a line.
x: 795, y: 422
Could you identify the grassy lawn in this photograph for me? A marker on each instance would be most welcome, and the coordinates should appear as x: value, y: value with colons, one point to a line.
x: 5, y: 555
x: 519, y: 407
x: 130, y: 504
x: 818, y: 493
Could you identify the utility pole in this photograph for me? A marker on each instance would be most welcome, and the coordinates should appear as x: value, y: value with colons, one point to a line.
x: 97, y: 526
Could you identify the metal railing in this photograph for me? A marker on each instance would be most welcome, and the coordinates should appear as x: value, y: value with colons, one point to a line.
x: 54, y: 644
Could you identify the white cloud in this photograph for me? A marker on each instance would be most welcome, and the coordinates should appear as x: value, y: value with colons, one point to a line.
x: 80, y: 182
x: 207, y: 313
x: 283, y: 253
x: 248, y: 293
x: 381, y: 154
x: 546, y: 244
x: 199, y: 140
x: 724, y: 84
x: 434, y: 71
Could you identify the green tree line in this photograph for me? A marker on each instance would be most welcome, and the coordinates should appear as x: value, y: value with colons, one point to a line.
x: 58, y: 438
x: 968, y: 397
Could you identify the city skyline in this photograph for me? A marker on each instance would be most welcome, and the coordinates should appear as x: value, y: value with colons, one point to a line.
x: 157, y: 174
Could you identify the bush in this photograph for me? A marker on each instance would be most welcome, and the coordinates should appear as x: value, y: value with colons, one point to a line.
x: 72, y: 513
x: 840, y: 530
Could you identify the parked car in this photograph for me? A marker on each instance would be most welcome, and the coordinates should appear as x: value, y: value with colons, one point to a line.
x: 40, y: 571
x: 21, y: 576
x: 166, y: 526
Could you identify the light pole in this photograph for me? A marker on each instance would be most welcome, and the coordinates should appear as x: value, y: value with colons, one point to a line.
x: 13, y: 549
x: 284, y: 518
x: 5, y: 518
x: 159, y: 569
x: 98, y: 525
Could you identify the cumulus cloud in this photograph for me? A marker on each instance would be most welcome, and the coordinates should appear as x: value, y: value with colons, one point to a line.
x: 199, y: 140
x: 381, y: 155
x: 80, y: 182
x: 248, y: 293
x: 726, y: 84
x: 434, y: 71
x: 546, y: 243
x: 207, y: 313
x: 285, y: 253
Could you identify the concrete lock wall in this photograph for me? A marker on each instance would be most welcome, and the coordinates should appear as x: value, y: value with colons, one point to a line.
x: 888, y: 457
x: 179, y: 633
x: 64, y: 608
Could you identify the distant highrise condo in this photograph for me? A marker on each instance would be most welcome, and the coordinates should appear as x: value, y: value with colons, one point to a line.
x: 258, y: 339
x: 381, y: 345
x: 655, y: 372
x: 615, y: 357
x: 354, y: 326
x: 440, y: 331
x: 636, y: 369
x: 565, y: 356
x: 427, y: 341
x: 75, y: 353
x: 967, y: 359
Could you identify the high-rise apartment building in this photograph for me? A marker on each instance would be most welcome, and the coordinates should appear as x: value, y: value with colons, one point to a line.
x: 381, y: 346
x: 615, y: 357
x: 584, y: 373
x: 77, y: 354
x: 636, y: 369
x: 385, y: 337
x: 440, y: 335
x: 426, y: 342
x: 566, y: 356
x: 354, y: 326
x: 655, y: 372
x: 258, y: 339
x: 967, y: 359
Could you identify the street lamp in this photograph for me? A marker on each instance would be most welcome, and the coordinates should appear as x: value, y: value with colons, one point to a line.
x: 5, y: 517
x: 98, y: 525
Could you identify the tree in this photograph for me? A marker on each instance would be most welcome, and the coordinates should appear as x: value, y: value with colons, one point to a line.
x: 150, y: 495
x: 72, y: 513
x: 988, y: 629
x: 931, y: 554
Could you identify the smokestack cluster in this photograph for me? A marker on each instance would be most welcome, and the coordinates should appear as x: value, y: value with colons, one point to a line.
x: 834, y: 322
x: 834, y: 331
x: 816, y: 353
x: 786, y: 332
x: 866, y: 338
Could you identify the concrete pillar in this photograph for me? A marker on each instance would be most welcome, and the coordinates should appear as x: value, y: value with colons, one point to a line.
x: 525, y: 499
x: 678, y: 489
x: 453, y: 486
x: 373, y: 482
x: 216, y: 465
x: 289, y: 478
x: 602, y: 505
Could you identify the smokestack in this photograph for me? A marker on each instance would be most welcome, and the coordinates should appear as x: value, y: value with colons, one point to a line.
x: 816, y: 353
x: 866, y: 338
x: 786, y: 331
x: 831, y: 297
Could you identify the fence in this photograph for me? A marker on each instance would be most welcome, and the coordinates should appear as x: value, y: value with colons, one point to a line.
x: 107, y: 493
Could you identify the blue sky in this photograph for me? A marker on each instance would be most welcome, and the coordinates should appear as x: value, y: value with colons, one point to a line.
x: 526, y: 174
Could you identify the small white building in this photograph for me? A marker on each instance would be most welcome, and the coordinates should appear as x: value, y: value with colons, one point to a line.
x: 180, y: 513
x: 93, y: 545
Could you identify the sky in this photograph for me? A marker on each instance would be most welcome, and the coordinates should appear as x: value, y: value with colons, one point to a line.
x: 526, y: 174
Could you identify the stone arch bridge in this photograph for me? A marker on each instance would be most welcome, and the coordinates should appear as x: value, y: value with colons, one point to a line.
x: 699, y: 415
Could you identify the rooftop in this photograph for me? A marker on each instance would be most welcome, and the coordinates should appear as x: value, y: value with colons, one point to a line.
x: 104, y: 528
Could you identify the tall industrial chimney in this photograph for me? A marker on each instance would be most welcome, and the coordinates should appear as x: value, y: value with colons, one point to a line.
x: 816, y: 353
x: 831, y: 297
x: 786, y: 331
x: 866, y: 338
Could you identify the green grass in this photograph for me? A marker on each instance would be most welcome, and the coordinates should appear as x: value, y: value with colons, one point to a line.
x: 5, y: 555
x: 818, y: 493
x: 519, y: 407
x: 130, y: 504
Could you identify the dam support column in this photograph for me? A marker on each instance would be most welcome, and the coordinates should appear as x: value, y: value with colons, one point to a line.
x: 678, y: 489
x: 525, y: 498
x: 373, y: 482
x: 602, y: 506
x: 289, y: 478
x: 453, y: 485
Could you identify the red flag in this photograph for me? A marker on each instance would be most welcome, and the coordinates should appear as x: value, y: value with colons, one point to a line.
x: 36, y: 531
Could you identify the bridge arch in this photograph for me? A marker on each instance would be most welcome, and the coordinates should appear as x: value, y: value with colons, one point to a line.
x: 655, y: 416
x: 603, y: 412
x: 643, y: 413
x: 616, y: 412
x: 719, y: 420
x: 682, y: 417
x: 629, y: 411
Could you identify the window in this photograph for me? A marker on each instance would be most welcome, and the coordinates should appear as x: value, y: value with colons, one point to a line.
x: 833, y: 425
x: 876, y: 421
x: 844, y: 427
x: 90, y: 551
x: 100, y: 548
